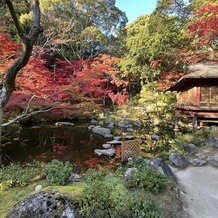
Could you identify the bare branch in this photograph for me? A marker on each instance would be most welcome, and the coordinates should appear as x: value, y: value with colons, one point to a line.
x: 25, y: 113
x: 28, y: 105
x: 25, y: 116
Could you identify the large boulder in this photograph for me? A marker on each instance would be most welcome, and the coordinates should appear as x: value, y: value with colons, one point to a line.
x: 178, y: 160
x: 101, y: 130
x: 159, y: 165
x: 44, y: 205
x: 190, y: 148
x: 105, y: 152
x: 212, y: 141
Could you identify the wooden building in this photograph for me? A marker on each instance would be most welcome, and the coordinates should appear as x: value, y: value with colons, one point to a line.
x: 197, y: 92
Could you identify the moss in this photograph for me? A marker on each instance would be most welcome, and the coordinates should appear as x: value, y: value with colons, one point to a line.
x: 8, y: 198
x: 74, y: 190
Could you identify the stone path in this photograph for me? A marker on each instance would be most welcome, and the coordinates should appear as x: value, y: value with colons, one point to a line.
x: 199, y: 191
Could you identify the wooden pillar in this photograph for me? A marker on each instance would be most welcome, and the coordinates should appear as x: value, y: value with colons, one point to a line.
x: 194, y: 121
x: 197, y: 95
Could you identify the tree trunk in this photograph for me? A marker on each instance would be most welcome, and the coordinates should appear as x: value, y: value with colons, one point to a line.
x: 28, y: 42
x: 1, y: 120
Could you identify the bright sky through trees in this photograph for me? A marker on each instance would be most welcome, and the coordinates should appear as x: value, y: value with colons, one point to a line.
x: 135, y: 8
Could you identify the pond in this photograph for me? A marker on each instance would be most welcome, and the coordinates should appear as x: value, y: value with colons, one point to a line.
x: 46, y: 142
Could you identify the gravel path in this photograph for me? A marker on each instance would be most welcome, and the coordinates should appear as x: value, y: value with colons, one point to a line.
x: 199, y: 191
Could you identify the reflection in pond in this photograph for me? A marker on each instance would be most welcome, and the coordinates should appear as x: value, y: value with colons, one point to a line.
x: 46, y: 142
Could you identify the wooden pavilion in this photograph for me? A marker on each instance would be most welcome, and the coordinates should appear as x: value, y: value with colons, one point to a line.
x: 197, y: 92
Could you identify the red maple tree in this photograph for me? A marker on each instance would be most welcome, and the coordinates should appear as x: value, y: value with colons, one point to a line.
x: 68, y: 87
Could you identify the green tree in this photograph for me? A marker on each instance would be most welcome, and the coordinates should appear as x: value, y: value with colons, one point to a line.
x: 82, y: 28
x: 154, y: 43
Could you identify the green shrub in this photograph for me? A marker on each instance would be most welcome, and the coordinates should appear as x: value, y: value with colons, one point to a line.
x: 103, y: 194
x: 106, y: 196
x: 146, y: 178
x: 140, y: 205
x: 17, y: 175
x: 57, y: 172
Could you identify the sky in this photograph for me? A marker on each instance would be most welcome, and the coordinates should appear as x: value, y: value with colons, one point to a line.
x: 135, y: 8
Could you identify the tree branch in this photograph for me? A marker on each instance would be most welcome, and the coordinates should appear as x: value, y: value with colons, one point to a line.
x: 25, y: 113
x: 25, y: 116
x: 15, y: 19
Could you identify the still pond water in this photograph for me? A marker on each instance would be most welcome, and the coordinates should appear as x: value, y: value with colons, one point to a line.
x: 46, y: 142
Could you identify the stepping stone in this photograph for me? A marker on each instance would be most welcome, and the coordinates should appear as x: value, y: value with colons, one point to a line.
x: 129, y: 137
x: 108, y: 136
x: 64, y: 124
x: 106, y: 146
x: 114, y: 142
x: 118, y: 138
x: 105, y: 152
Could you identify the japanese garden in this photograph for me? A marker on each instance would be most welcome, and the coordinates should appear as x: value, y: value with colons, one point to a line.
x: 105, y: 118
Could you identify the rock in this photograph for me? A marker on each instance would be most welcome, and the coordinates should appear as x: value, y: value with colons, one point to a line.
x: 125, y: 124
x: 106, y: 146
x: 109, y: 121
x: 38, y: 188
x: 101, y: 130
x: 91, y: 127
x: 35, y: 127
x: 155, y: 137
x: 143, y: 137
x: 190, y: 148
x: 44, y: 205
x: 114, y: 142
x: 129, y: 137
x: 178, y: 160
x: 108, y: 136
x: 176, y: 128
x: 110, y: 125
x: 213, y: 159
x: 7, y: 143
x: 74, y: 178
x: 129, y: 172
x: 197, y: 162
x: 137, y: 123
x: 63, y: 124
x: 118, y: 138
x: 212, y: 141
x: 17, y: 139
x: 201, y: 156
x: 94, y: 121
x: 130, y: 129
x: 105, y: 152
x: 159, y: 165
x: 68, y: 213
